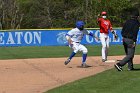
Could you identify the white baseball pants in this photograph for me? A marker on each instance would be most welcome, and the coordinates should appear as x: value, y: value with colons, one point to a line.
x: 105, y: 45
x: 79, y: 47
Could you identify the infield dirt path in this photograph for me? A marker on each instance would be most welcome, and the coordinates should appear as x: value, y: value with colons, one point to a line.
x: 39, y: 75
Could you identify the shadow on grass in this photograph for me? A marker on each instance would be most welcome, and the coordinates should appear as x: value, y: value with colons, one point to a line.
x: 135, y: 69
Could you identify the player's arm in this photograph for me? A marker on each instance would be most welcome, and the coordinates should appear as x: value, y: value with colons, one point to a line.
x: 98, y: 18
x: 68, y: 37
x: 113, y: 32
x: 91, y: 34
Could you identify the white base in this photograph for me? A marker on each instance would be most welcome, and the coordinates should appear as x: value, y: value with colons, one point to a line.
x: 111, y: 61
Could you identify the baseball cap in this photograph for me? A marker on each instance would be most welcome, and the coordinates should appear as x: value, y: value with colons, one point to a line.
x: 103, y: 13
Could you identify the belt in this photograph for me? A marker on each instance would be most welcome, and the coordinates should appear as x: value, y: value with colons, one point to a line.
x: 128, y: 37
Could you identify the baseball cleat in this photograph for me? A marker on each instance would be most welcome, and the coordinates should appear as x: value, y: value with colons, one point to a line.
x: 67, y: 61
x: 131, y: 69
x: 84, y: 65
x: 119, y: 68
x: 103, y: 60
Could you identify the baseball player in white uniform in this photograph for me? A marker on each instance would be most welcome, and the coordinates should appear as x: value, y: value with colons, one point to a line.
x: 74, y: 38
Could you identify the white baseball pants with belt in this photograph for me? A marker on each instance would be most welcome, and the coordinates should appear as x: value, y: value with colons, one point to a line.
x: 79, y: 47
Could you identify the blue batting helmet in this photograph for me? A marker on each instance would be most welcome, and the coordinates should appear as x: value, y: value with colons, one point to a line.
x: 79, y: 24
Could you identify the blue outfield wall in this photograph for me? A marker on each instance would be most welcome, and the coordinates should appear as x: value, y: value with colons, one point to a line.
x: 49, y: 38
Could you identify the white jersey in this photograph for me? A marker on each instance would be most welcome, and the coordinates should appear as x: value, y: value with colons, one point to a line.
x: 76, y: 35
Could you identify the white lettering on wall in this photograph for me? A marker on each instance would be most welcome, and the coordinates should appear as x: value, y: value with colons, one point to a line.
x: 18, y: 35
x: 10, y: 39
x: 1, y: 38
x: 88, y: 39
x: 28, y: 37
x: 20, y: 38
x: 37, y: 37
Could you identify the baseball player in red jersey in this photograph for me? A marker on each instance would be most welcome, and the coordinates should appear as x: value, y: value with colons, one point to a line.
x: 105, y: 26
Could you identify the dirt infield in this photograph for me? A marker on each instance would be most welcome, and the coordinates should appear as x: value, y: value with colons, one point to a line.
x: 39, y: 75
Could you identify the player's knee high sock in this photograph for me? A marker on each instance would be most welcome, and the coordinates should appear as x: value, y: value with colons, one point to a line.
x: 103, y: 52
x: 84, y: 58
x: 106, y: 53
x: 72, y: 55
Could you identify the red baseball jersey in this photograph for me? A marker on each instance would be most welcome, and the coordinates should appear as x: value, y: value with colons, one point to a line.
x: 105, y: 25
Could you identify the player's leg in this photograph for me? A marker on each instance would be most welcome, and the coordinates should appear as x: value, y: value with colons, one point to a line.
x: 130, y: 50
x: 125, y: 48
x: 69, y: 59
x: 130, y: 54
x: 75, y: 50
x: 126, y: 52
x: 84, y: 57
x: 130, y: 62
x: 107, y: 47
x: 127, y: 59
x: 103, y: 42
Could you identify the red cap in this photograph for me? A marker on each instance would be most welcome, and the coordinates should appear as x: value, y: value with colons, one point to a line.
x: 103, y: 13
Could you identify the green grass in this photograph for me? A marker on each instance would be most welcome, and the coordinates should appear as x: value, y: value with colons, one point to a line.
x: 110, y: 81
x: 55, y: 51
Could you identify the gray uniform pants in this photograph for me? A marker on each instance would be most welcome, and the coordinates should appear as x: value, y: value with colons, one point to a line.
x: 129, y: 48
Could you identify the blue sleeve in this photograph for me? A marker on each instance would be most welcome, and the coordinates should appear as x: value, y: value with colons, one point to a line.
x: 67, y: 35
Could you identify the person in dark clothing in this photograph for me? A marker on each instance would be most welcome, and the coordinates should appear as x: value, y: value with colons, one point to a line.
x: 129, y: 34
